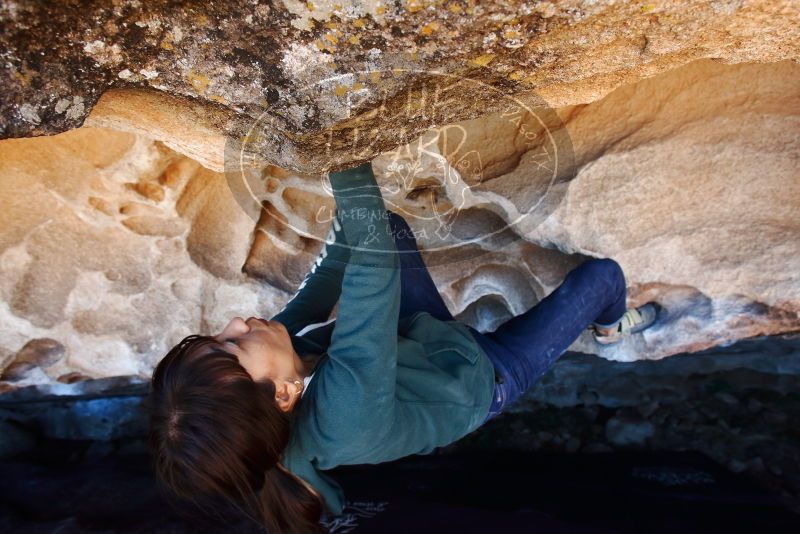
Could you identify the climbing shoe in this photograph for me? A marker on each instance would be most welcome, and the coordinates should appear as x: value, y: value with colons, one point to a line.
x: 634, y: 320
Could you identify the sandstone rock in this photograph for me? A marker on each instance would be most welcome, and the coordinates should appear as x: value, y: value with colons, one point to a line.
x: 116, y: 299
x: 18, y: 371
x: 687, y: 178
x: 307, y: 74
x: 43, y: 352
x: 102, y: 205
x: 145, y: 225
x: 278, y: 255
x: 177, y: 172
x: 217, y: 225
x: 650, y: 184
x: 71, y: 378
x: 150, y: 191
x: 164, y: 117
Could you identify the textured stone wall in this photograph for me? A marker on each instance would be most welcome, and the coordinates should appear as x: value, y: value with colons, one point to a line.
x: 114, y: 246
x: 308, y: 72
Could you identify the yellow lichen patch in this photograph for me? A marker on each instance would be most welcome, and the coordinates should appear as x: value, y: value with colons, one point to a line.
x: 516, y: 75
x: 357, y: 86
x: 324, y: 46
x: 341, y: 90
x: 201, y: 20
x: 166, y: 43
x: 354, y: 39
x: 331, y: 38
x: 198, y: 80
x: 331, y: 25
x: 375, y: 76
x: 482, y: 60
x: 454, y: 8
x: 648, y: 7
x: 359, y: 23
x: 380, y: 10
x: 430, y: 28
x: 511, y: 33
x: 218, y: 98
x: 310, y: 6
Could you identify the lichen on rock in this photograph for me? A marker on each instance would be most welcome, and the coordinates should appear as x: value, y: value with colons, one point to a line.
x: 264, y: 62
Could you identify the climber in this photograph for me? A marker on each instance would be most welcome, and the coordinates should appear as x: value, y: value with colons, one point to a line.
x: 258, y: 412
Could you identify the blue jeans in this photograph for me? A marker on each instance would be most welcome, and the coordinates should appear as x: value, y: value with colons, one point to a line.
x: 523, y: 348
x: 417, y: 290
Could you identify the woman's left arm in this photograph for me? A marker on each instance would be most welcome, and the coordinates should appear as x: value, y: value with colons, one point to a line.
x: 320, y: 289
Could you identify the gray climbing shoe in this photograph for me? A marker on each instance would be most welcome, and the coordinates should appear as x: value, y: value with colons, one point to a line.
x: 634, y: 320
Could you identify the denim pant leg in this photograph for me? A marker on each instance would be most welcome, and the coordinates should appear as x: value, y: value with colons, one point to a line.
x: 526, y: 346
x: 417, y: 290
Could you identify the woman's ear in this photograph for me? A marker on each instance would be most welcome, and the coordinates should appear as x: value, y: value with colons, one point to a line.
x: 285, y: 395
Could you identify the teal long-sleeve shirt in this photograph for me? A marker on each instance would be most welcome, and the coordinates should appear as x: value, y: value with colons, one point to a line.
x: 385, y: 387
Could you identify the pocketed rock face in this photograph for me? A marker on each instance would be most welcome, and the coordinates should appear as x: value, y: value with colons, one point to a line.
x: 92, y: 258
x: 310, y: 71
x: 116, y: 246
x: 690, y: 181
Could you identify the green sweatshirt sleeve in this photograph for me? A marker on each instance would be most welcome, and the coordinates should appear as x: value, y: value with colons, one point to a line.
x: 318, y: 293
x: 358, y: 384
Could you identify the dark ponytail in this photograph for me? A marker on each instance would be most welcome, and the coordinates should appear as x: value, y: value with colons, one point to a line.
x: 217, y: 434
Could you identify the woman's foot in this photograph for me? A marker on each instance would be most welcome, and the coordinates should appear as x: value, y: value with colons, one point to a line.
x: 634, y: 320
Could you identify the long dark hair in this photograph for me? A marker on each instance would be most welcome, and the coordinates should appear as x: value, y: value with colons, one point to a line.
x: 216, y: 433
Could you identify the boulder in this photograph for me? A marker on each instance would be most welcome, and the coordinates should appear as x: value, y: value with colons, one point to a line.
x: 316, y: 86
x: 660, y: 135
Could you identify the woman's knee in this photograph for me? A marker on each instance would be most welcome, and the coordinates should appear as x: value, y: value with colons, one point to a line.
x: 607, y: 269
